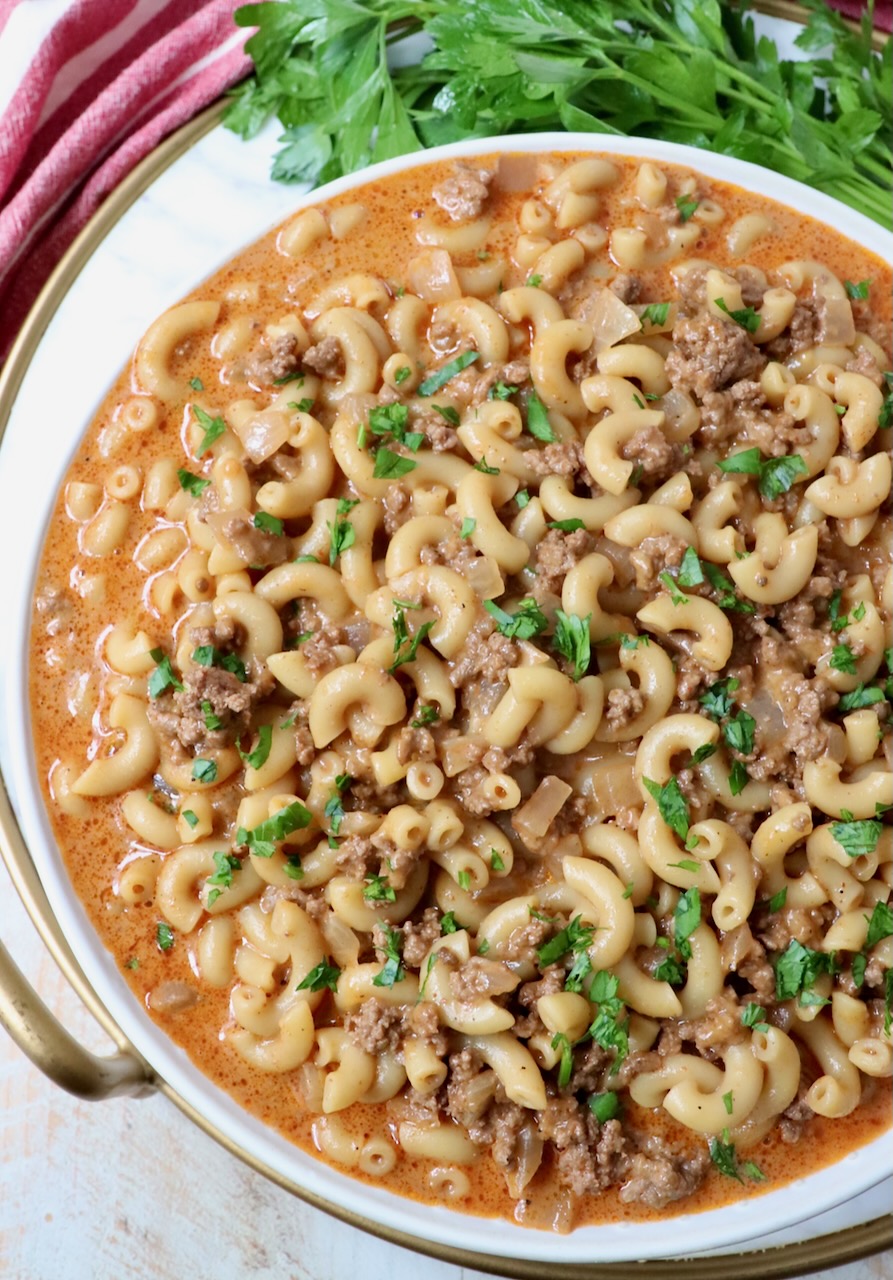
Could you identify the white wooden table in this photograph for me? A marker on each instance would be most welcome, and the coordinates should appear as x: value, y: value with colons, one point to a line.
x: 128, y: 1190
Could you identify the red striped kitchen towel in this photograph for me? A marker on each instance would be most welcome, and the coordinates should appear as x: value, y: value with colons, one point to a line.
x: 89, y: 87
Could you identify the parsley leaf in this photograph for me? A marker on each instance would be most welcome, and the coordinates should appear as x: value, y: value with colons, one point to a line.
x: 163, y: 676
x: 862, y: 696
x: 164, y: 936
x: 777, y: 475
x: 738, y: 733
x: 675, y: 594
x: 204, y: 771
x: 262, y: 839
x: 391, y: 466
x: 323, y: 976
x: 566, y: 1067
x: 607, y: 1029
x: 405, y: 646
x: 428, y: 714
x: 575, y: 937
x: 393, y: 952
x: 686, y: 207
x: 690, y: 572
x: 269, y: 524
x: 379, y: 889
x: 604, y: 1106
x: 538, y: 423
x: 671, y: 804
x: 436, y: 380
x: 258, y: 757
x: 226, y: 864
x: 754, y: 1016
x: 572, y: 640
x: 797, y: 969
x: 529, y: 621
x: 857, y: 838
x: 213, y: 429
x: 745, y: 317
x: 196, y: 485
x: 206, y: 655
x: 567, y: 526
x: 468, y: 527
x: 880, y: 925
x: 857, y: 291
x: 655, y: 314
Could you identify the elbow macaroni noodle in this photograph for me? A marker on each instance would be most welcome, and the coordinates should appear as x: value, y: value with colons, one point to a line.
x: 492, y: 721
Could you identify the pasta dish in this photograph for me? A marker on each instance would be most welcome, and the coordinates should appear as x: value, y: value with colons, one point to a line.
x: 461, y: 680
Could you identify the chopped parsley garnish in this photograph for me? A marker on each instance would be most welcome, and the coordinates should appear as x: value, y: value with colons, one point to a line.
x: 777, y: 901
x: 538, y: 423
x: 604, y: 1106
x: 572, y: 640
x: 862, y: 696
x: 718, y: 701
x: 728, y: 597
x: 607, y: 1029
x: 296, y: 375
x: 204, y: 771
x: 671, y: 804
x: 323, y: 976
x: 269, y: 524
x: 301, y: 406
x: 738, y: 778
x: 522, y: 498
x: 393, y: 953
x: 391, y: 466
x: 206, y: 655
x: 262, y: 839
x: 163, y: 676
x: 196, y: 485
x: 213, y: 429
x: 880, y: 925
x: 342, y: 534
x: 566, y: 1066
x: 574, y: 937
x: 428, y: 714
x: 436, y: 380
x: 405, y: 646
x: 567, y: 526
x: 469, y: 524
x: 485, y: 469
x: 501, y: 391
x: 728, y: 1101
x: 259, y: 755
x: 463, y: 880
x: 690, y: 572
x: 534, y: 281
x: 379, y: 889
x: 738, y: 733
x: 391, y: 420
x: 448, y: 923
x: 843, y: 659
x: 744, y: 317
x: 496, y: 862
x: 754, y: 1016
x: 448, y: 413
x: 655, y: 314
x: 402, y: 374
x: 686, y: 207
x: 334, y: 809
x: 675, y: 594
x: 857, y: 291
x: 857, y: 838
x: 724, y: 1156
x: 196, y: 384
x: 226, y: 864
x: 796, y: 971
x: 164, y: 936
x: 292, y: 867
x: 527, y: 622
x: 776, y: 475
x: 190, y: 817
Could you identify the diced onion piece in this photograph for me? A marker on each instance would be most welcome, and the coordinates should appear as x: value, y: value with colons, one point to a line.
x: 264, y: 433
x: 431, y: 276
x: 611, y: 320
x: 534, y: 818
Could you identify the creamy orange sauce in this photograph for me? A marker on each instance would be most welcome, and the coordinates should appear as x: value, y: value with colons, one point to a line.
x: 70, y: 674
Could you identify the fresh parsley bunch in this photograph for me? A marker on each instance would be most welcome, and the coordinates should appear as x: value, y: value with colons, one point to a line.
x: 352, y: 82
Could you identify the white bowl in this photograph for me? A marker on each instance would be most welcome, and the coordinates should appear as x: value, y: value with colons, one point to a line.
x: 90, y: 336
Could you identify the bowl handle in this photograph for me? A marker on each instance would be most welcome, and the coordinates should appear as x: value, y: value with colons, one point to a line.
x: 56, y: 1053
